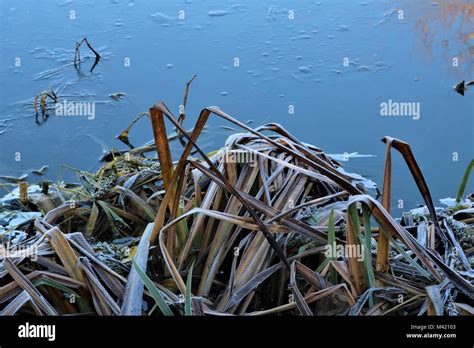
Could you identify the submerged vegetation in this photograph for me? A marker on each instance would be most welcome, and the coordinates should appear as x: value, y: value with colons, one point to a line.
x: 77, y: 54
x: 42, y: 98
x: 265, y: 225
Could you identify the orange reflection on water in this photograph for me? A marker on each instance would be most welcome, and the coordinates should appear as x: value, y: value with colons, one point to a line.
x: 447, y: 26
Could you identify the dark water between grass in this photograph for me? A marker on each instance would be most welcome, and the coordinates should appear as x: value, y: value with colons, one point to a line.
x: 320, y: 68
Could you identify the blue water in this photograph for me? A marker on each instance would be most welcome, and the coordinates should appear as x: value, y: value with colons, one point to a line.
x: 283, y: 62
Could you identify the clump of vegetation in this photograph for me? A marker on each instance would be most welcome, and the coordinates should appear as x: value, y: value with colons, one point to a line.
x: 266, y: 224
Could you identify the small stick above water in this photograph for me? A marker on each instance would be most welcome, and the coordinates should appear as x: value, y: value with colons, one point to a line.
x: 182, y: 115
x: 77, y: 56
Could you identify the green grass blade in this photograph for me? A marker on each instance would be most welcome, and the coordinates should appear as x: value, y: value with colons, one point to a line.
x: 112, y: 216
x: 332, y: 245
x: 83, y: 307
x: 331, y: 230
x: 464, y: 180
x: 407, y: 257
x: 368, y: 247
x: 368, y: 252
x: 322, y: 265
x: 187, y: 299
x: 182, y: 228
x: 155, y: 293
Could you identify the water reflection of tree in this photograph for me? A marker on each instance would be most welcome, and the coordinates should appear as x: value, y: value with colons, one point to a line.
x: 449, y: 28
